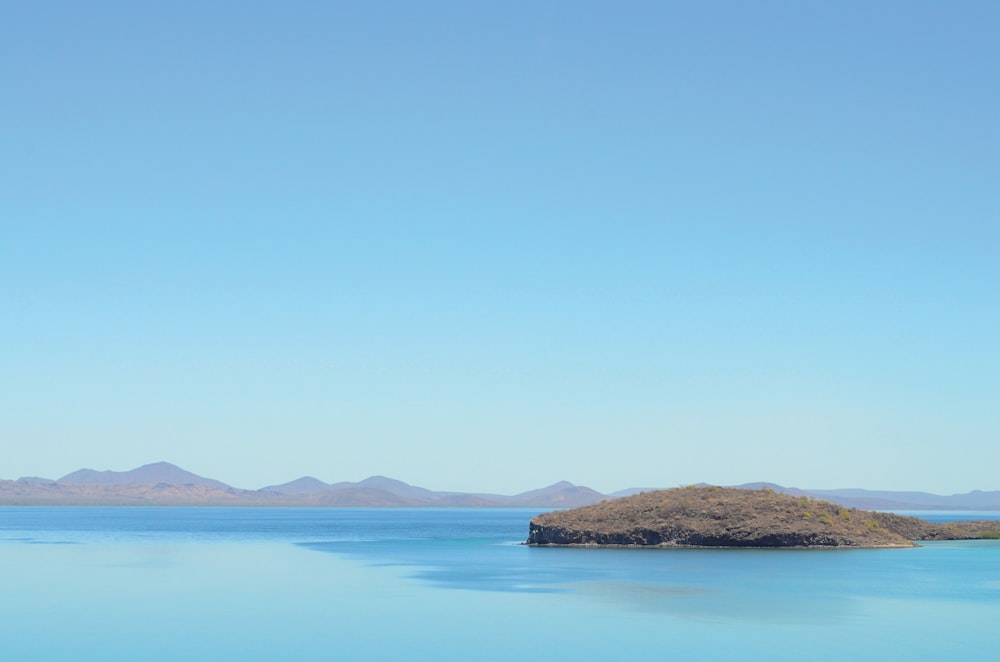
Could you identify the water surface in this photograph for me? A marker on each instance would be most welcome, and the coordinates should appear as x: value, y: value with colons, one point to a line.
x: 272, y: 583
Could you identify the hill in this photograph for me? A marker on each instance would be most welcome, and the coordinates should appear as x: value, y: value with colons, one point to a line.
x: 148, y: 474
x: 729, y: 517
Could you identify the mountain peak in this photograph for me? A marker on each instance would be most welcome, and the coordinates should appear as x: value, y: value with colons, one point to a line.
x: 147, y: 474
x: 393, y: 486
x: 304, y: 485
x: 161, y: 465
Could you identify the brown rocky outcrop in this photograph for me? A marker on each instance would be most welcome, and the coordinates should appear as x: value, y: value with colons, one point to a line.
x: 728, y: 517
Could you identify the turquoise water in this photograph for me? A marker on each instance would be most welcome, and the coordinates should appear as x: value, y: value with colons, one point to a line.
x: 357, y: 584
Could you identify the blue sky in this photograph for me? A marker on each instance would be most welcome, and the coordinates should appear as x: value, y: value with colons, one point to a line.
x: 488, y: 246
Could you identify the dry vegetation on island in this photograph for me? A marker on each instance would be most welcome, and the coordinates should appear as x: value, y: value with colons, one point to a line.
x: 729, y: 517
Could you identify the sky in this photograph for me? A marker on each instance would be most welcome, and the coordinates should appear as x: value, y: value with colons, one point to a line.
x: 487, y: 246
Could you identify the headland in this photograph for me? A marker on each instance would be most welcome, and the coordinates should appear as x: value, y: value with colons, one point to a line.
x: 709, y: 516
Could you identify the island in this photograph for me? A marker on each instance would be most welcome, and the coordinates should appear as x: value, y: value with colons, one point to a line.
x: 709, y: 516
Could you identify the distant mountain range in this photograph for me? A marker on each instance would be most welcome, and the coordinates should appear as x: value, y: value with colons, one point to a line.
x: 165, y: 484
x: 887, y: 500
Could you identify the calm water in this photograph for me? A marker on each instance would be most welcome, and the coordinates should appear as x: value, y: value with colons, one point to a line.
x: 357, y: 584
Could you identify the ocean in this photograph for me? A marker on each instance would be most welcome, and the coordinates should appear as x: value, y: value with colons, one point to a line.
x: 455, y: 584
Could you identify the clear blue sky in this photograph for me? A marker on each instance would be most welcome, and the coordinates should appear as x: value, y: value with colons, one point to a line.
x: 488, y: 246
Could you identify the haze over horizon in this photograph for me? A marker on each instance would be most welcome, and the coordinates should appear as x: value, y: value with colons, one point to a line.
x: 491, y: 247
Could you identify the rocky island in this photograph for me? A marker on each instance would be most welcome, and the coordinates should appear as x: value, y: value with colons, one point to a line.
x: 728, y: 517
